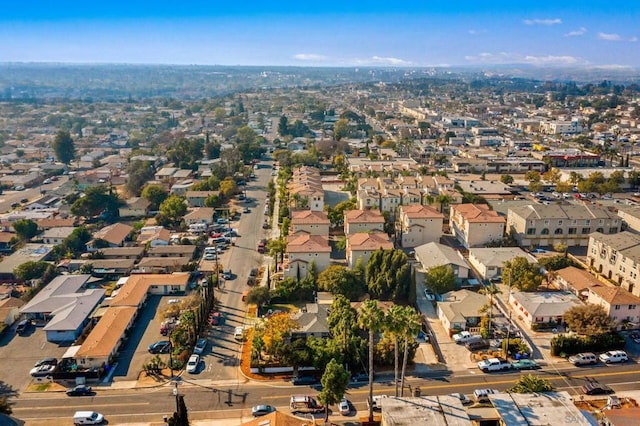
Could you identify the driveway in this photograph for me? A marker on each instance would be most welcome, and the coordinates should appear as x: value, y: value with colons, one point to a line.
x: 20, y: 353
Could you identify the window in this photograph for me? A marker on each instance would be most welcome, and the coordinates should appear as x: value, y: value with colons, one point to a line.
x: 616, y: 307
x: 572, y: 231
x: 531, y: 231
x: 558, y: 231
x: 546, y: 222
x: 632, y: 307
x: 600, y: 230
x: 613, y: 230
x: 587, y: 222
x: 586, y: 231
x: 560, y: 222
x: 545, y: 231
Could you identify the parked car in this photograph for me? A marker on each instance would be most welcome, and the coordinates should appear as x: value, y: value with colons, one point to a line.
x: 376, y: 402
x: 200, y: 347
x: 87, y: 418
x: 538, y: 251
x: 429, y: 295
x: 262, y: 410
x: 80, y: 390
x: 482, y: 395
x: 304, y: 380
x: 227, y: 274
x: 477, y: 343
x: 160, y: 347
x: 611, y: 357
x: 595, y: 388
x: 23, y: 327
x: 246, y: 210
x: 42, y: 370
x: 238, y: 334
x: 46, y: 361
x: 494, y: 364
x: 462, y: 337
x: 344, y: 407
x: 193, y: 364
x: 525, y: 364
x: 585, y: 358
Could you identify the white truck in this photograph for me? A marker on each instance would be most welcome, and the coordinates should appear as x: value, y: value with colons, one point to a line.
x: 304, y: 404
x: 462, y: 337
x: 376, y: 402
x: 494, y: 364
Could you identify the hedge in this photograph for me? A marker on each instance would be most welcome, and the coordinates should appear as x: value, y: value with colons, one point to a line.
x: 563, y: 345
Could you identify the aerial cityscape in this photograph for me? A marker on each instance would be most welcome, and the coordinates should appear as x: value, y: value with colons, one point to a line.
x: 287, y: 214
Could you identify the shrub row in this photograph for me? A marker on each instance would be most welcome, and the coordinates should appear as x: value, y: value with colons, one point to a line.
x: 563, y: 345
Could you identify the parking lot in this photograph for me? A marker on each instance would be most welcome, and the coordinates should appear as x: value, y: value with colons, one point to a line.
x: 20, y: 353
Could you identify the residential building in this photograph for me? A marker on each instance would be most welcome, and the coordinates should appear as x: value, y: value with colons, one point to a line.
x: 305, y: 189
x: 312, y: 321
x: 310, y: 221
x: 571, y: 157
x: 114, y: 235
x: 419, y: 225
x: 198, y: 198
x: 570, y: 224
x: 134, y: 252
x: 621, y: 306
x: 302, y: 249
x: 177, y: 250
x: 539, y: 408
x: 362, y: 245
x: 65, y: 305
x: 488, y: 262
x: 56, y: 236
x: 162, y: 265
x: 135, y: 207
x: 200, y: 215
x: 154, y: 236
x: 27, y: 253
x: 461, y: 309
x: 363, y: 221
x: 476, y: 225
x: 630, y: 216
x: 431, y: 255
x: 542, y: 307
x: 616, y: 257
x: 436, y: 410
x: 576, y: 280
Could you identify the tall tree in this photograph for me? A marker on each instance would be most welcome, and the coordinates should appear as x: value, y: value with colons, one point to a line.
x: 96, y: 200
x: 25, y: 228
x: 395, y: 324
x: 388, y: 275
x: 64, y: 147
x: 155, y: 194
x: 523, y: 275
x: 140, y: 172
x: 412, y: 326
x: 441, y: 279
x: 173, y: 209
x: 334, y: 383
x: 531, y: 384
x: 589, y: 320
x: 370, y: 318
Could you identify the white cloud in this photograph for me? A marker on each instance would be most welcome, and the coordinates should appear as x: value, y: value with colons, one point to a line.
x: 516, y: 58
x: 633, y: 39
x: 476, y: 32
x: 576, y: 33
x: 310, y: 57
x: 381, y: 60
x: 547, y: 22
x: 609, y: 37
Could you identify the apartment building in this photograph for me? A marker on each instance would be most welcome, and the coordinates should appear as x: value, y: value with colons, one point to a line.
x: 419, y: 225
x: 475, y: 225
x: 570, y: 224
x: 621, y: 306
x: 312, y: 222
x: 305, y: 189
x: 302, y: 249
x: 363, y: 221
x: 362, y: 245
x: 616, y: 257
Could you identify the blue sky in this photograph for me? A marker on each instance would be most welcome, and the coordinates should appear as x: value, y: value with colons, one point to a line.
x: 336, y: 33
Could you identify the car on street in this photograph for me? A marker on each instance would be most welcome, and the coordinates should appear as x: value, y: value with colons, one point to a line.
x: 80, y: 390
x: 494, y: 364
x: 584, y: 358
x: 210, y: 256
x: 200, y: 347
x: 227, y: 275
x: 238, y: 334
x: 429, y: 295
x: 304, y: 380
x: 160, y: 347
x: 538, y: 251
x: 462, y: 337
x: 344, y: 407
x: 595, y: 388
x: 482, y: 395
x: 246, y: 210
x: 193, y: 364
x: 262, y: 410
x: 525, y: 364
x: 375, y: 406
x: 611, y: 357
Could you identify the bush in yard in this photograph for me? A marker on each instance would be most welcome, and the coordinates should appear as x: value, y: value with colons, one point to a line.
x: 564, y: 345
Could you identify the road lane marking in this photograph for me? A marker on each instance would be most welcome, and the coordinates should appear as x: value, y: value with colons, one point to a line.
x: 67, y: 407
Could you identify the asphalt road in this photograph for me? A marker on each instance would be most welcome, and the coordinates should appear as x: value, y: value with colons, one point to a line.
x: 234, y: 402
x: 9, y: 197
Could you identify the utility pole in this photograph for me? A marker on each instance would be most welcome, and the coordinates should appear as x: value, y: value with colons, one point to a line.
x: 509, y: 324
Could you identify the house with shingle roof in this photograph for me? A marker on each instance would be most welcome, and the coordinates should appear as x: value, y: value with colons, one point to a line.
x: 475, y: 225
x: 621, y: 306
x: 542, y: 306
x: 304, y: 248
x: 362, y: 245
x: 312, y: 222
x: 419, y: 225
x: 576, y: 280
x: 431, y: 255
x: 116, y: 235
x: 363, y: 221
x: 460, y: 309
x: 489, y: 261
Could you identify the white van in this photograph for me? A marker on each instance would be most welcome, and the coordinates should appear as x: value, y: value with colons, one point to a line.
x: 87, y: 418
x: 198, y: 228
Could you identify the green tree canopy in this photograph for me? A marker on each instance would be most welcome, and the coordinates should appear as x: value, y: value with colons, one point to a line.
x: 25, y: 228
x: 523, y: 275
x: 554, y: 263
x: 440, y: 279
x: 259, y: 296
x: 31, y: 270
x: 531, y: 384
x: 96, y: 200
x: 63, y: 146
x: 334, y: 383
x: 336, y: 214
x: 388, y: 275
x: 589, y: 320
x: 140, y: 172
x: 173, y: 209
x: 341, y: 129
x: 155, y: 194
x: 337, y: 279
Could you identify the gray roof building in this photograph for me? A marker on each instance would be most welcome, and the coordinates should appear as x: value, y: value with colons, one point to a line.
x: 436, y: 410
x: 544, y: 408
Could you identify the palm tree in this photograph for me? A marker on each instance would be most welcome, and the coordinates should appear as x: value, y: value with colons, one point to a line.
x: 530, y: 384
x: 412, y: 326
x: 370, y: 317
x: 395, y: 325
x: 444, y: 200
x: 490, y: 290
